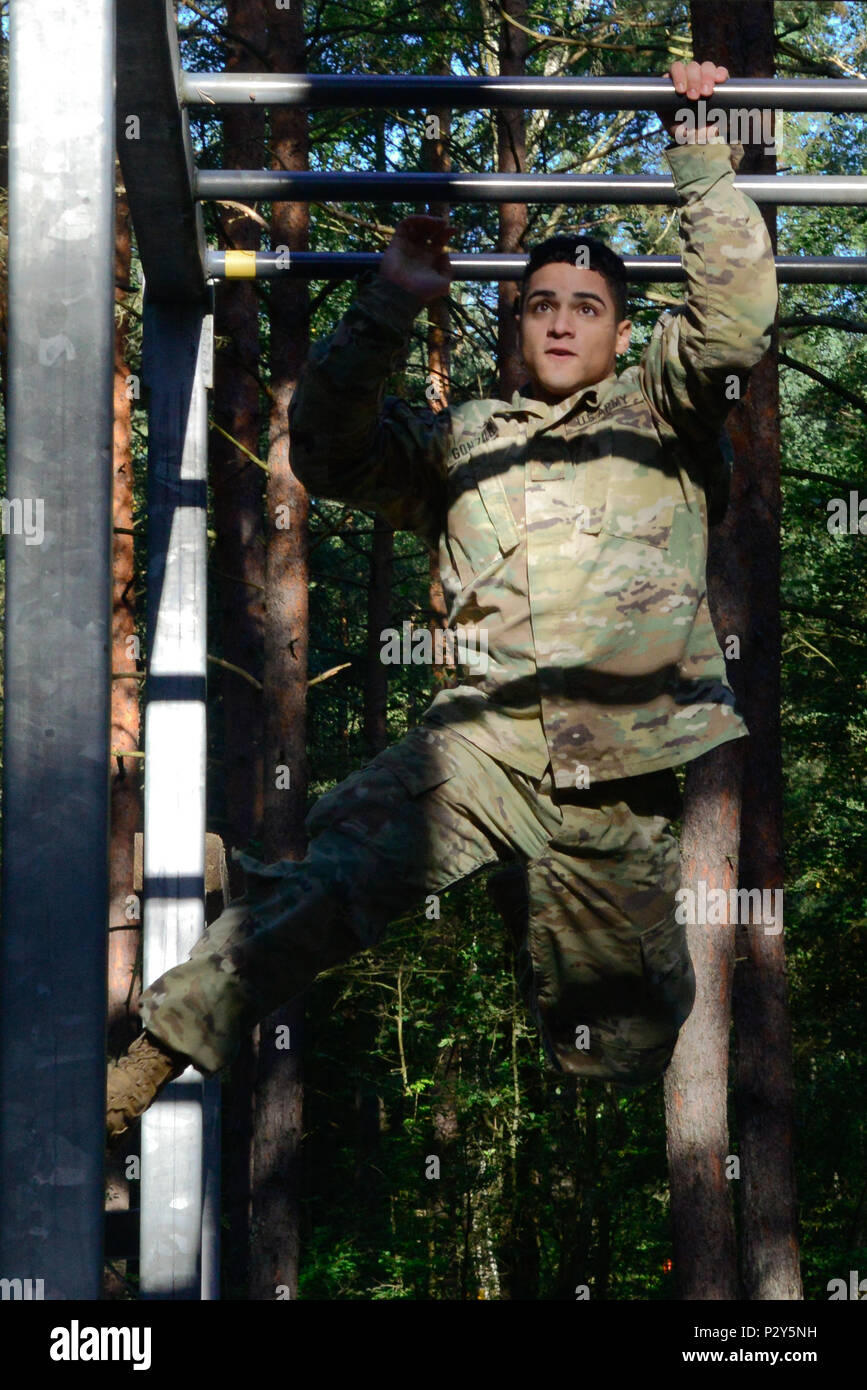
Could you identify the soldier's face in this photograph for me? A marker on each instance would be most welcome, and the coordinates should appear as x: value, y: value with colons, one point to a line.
x: 568, y: 331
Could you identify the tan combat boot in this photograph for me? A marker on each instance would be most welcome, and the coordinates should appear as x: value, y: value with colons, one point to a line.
x: 136, y: 1080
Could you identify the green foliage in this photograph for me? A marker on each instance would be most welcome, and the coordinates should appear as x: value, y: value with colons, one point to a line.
x: 422, y: 1046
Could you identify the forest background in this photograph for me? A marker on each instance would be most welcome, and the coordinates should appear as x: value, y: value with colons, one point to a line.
x: 423, y: 1047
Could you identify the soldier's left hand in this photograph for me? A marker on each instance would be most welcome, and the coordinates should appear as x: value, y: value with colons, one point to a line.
x: 692, y: 80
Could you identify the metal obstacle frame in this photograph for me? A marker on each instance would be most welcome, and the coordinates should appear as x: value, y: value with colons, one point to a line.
x: 64, y: 126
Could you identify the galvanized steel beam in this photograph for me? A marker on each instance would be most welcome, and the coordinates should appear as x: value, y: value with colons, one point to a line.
x: 156, y: 156
x: 57, y: 515
x: 177, y: 1241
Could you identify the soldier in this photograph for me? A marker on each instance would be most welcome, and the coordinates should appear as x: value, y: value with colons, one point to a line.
x: 571, y: 523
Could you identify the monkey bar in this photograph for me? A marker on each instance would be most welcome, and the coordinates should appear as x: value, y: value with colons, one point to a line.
x: 58, y: 598
x: 343, y: 265
x: 287, y: 185
x: 374, y: 91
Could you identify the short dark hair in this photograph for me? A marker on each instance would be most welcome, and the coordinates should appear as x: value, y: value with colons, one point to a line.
x: 599, y: 257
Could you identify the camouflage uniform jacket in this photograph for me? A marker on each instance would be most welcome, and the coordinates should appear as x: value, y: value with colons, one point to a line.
x: 575, y: 533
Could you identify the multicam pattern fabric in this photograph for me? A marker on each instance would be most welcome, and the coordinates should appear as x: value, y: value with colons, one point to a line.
x: 575, y: 533
x: 606, y: 971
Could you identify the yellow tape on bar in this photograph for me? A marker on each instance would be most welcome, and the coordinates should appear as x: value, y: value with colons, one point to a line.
x: 240, y: 265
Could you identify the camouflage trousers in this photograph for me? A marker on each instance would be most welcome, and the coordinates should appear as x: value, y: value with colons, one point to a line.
x: 608, y: 976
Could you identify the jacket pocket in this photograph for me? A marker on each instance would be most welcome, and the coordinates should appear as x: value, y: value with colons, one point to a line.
x: 481, y: 527
x: 627, y: 489
x: 644, y: 488
x: 591, y: 453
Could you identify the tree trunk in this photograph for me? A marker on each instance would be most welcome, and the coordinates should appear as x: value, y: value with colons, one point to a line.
x: 696, y: 1082
x: 444, y: 1203
x: 238, y: 483
x: 520, y: 1259
x: 437, y: 160
x: 507, y: 887
x: 124, y: 920
x: 239, y: 562
x: 378, y: 618
x: 511, y: 159
x: 279, y: 1093
x: 124, y: 917
x: 743, y: 41
x: 368, y: 1104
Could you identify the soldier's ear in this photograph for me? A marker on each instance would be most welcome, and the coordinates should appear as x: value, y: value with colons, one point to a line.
x: 516, y: 306
x: 624, y: 334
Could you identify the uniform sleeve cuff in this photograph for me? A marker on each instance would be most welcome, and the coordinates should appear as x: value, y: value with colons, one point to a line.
x: 389, y: 303
x: 695, y: 165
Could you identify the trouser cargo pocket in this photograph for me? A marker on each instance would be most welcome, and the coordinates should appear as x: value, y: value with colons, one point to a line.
x: 424, y: 759
x: 668, y: 971
x: 609, y: 995
x: 611, y: 976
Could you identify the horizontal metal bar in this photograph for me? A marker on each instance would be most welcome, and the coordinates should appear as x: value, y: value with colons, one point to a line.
x: 584, y: 93
x: 342, y: 265
x: 284, y: 185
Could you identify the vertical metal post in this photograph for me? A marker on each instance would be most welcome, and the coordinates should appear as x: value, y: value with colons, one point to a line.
x: 211, y: 1181
x: 175, y: 1181
x: 57, y: 516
